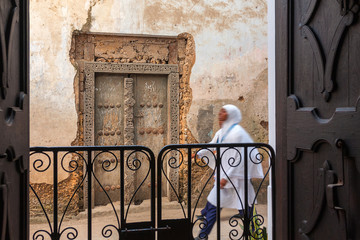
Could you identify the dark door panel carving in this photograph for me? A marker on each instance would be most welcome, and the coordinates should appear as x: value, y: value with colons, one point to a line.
x: 318, y: 97
x: 109, y: 120
x: 150, y: 118
x: 14, y: 119
x: 321, y: 35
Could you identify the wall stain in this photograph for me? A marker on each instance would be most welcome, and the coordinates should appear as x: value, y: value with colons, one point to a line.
x: 87, y: 25
x: 205, y: 122
x: 202, y: 14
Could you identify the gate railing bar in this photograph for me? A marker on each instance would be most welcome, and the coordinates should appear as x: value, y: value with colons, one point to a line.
x: 189, y: 184
x: 153, y: 184
x: 55, y: 196
x: 246, y: 217
x: 218, y: 200
x: 89, y: 169
x: 122, y: 186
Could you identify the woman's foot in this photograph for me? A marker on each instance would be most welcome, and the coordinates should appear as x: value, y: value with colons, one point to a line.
x: 198, y: 238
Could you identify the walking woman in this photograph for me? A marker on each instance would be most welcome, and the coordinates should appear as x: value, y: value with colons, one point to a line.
x: 232, y: 179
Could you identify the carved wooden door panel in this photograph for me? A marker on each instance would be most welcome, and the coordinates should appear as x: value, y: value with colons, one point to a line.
x: 318, y: 119
x: 109, y: 129
x: 14, y: 120
x: 128, y: 111
x: 151, y: 119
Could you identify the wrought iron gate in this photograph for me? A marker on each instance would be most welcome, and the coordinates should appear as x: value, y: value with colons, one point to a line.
x: 82, y: 159
x: 246, y: 226
x: 78, y: 162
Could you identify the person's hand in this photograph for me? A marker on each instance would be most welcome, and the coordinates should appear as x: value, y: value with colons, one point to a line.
x: 223, y: 182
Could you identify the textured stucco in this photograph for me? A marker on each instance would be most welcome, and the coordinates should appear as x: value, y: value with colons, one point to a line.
x: 52, y: 105
x: 231, y: 52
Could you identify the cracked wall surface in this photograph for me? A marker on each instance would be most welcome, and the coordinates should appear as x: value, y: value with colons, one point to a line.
x: 230, y: 67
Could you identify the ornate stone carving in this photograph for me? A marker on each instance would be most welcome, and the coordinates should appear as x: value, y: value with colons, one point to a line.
x: 174, y: 109
x: 129, y: 111
x: 129, y: 135
x: 131, y: 68
x: 89, y: 107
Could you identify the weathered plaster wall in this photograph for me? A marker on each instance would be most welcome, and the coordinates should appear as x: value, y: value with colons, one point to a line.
x: 230, y: 67
x: 52, y: 116
x: 231, y: 58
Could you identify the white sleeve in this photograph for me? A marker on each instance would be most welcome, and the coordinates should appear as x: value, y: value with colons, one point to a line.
x: 207, y: 154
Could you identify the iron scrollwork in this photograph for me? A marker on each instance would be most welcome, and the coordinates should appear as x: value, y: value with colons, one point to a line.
x: 71, y: 160
x: 257, y: 154
x: 135, y: 166
x: 107, y: 232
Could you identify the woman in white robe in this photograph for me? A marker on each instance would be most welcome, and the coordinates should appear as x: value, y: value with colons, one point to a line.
x: 232, y: 178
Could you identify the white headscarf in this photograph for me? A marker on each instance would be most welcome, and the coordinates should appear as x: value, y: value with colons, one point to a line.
x: 233, y: 117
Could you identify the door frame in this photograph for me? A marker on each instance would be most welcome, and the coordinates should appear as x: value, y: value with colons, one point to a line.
x: 91, y: 68
x: 271, y: 17
x: 172, y: 72
x: 281, y: 90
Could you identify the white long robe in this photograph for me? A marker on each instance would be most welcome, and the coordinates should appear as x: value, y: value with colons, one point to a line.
x: 233, y: 193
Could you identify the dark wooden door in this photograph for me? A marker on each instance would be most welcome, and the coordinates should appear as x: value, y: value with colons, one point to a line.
x: 148, y: 117
x: 150, y: 120
x: 318, y: 119
x: 109, y: 122
x: 14, y: 120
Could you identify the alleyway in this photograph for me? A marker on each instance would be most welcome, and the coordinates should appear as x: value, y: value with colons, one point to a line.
x: 104, y: 215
